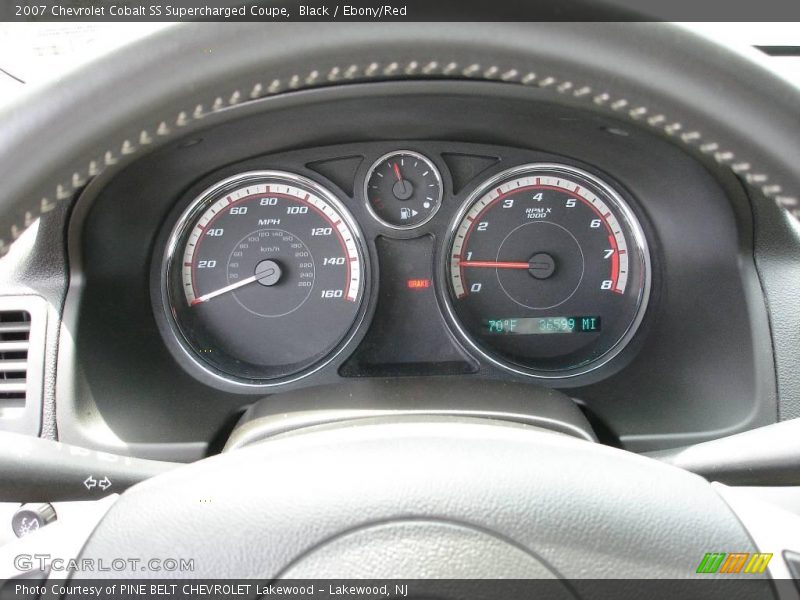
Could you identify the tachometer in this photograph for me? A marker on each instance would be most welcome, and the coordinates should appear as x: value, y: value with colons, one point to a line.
x: 548, y: 271
x: 264, y: 277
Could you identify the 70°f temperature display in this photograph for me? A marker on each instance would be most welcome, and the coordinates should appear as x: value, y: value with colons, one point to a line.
x: 540, y: 325
x: 266, y: 275
x: 539, y: 242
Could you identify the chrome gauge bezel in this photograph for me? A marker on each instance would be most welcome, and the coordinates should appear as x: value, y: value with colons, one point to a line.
x: 379, y: 161
x: 639, y: 242
x: 183, y: 349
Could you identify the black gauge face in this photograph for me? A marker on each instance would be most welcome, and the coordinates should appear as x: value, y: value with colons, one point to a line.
x: 548, y: 271
x: 403, y: 189
x: 264, y: 276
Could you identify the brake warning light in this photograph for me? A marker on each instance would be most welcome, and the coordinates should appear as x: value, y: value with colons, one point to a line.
x: 418, y: 284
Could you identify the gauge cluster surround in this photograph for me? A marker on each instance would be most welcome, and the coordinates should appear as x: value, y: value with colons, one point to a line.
x: 536, y: 269
x: 696, y: 357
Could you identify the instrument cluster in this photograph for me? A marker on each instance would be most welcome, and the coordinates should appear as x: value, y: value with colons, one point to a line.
x: 527, y: 263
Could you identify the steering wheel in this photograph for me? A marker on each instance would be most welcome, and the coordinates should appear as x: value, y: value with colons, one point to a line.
x: 415, y: 497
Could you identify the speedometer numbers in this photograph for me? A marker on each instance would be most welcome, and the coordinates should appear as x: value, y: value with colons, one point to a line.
x: 265, y: 276
x: 548, y: 271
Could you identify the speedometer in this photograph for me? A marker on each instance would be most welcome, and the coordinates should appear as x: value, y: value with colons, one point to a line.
x: 264, y: 277
x: 548, y: 271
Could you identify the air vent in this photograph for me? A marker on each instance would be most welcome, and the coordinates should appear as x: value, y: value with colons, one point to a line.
x: 15, y: 333
x: 22, y: 329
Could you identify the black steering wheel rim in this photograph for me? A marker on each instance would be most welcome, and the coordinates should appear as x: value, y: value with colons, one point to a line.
x: 720, y: 105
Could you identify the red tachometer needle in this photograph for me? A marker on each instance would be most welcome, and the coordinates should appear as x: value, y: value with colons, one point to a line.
x: 397, y: 172
x: 493, y: 264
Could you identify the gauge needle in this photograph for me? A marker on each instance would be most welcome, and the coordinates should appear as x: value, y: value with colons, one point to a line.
x: 493, y: 264
x: 397, y: 172
x: 226, y: 289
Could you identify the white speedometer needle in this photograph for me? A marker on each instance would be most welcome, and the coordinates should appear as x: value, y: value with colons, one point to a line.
x: 268, y: 273
x: 226, y: 289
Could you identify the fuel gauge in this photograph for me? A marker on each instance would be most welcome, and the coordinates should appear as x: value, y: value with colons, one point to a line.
x: 403, y: 189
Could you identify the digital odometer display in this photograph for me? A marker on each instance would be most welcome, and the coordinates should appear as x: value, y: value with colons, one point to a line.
x: 539, y: 325
x: 265, y: 276
x: 544, y: 242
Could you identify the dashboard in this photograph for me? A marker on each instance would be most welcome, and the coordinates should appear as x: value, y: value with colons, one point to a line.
x: 423, y: 275
x: 447, y: 230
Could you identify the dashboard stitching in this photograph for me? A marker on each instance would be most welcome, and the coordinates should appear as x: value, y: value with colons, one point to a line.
x: 692, y: 138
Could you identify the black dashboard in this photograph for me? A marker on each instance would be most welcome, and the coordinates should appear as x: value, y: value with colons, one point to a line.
x: 445, y: 230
